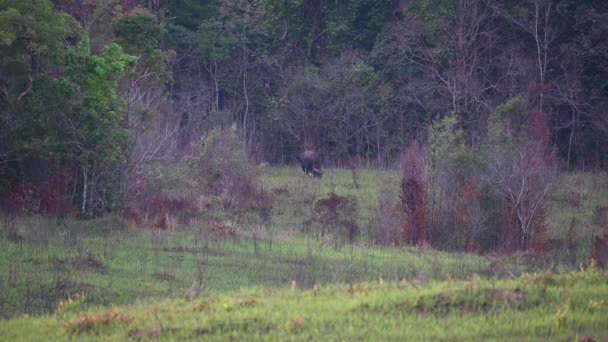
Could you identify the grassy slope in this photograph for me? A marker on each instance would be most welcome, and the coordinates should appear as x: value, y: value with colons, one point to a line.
x: 40, y: 268
x: 572, y: 211
x: 533, y: 307
x: 32, y: 280
x: 36, y: 273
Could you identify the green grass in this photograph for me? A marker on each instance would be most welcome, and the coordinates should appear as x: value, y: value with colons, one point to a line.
x: 53, y: 262
x: 533, y: 307
x: 425, y: 293
x: 299, y: 191
x: 572, y: 210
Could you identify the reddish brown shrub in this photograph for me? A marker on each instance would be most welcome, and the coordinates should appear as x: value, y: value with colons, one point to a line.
x: 44, y: 192
x: 511, y: 233
x: 600, y: 216
x: 337, y: 215
x: 599, y: 251
x: 469, y: 195
x: 538, y: 129
x: 163, y: 276
x: 163, y: 219
x: 414, y: 195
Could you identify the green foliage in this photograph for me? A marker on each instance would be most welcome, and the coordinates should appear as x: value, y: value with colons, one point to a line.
x: 33, y: 40
x: 100, y: 115
x: 138, y: 32
x: 444, y: 140
x: 33, y: 29
x: 434, y: 16
x: 190, y: 13
x: 42, y: 130
x: 507, y: 123
x: 215, y: 41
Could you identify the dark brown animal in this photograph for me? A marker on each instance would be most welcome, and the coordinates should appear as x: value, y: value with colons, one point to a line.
x: 310, y: 163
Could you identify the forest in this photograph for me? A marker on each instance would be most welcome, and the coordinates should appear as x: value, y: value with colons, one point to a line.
x: 96, y: 94
x: 462, y: 168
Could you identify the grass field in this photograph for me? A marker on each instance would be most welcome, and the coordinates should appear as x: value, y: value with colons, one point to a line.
x: 543, y: 306
x: 120, y: 266
x: 259, y: 282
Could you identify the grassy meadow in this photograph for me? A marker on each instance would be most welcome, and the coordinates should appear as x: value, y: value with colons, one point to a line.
x: 104, y: 278
x: 566, y: 307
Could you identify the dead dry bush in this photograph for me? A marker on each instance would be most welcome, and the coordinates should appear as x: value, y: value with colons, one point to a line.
x: 386, y: 224
x: 225, y: 229
x: 599, y: 251
x: 221, y: 169
x: 84, y: 262
x: 337, y: 215
x: 44, y: 189
x: 600, y: 216
x: 216, y: 183
x: 414, y: 185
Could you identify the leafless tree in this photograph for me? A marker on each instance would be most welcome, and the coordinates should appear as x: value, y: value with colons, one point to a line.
x: 524, y: 176
x: 568, y: 92
x: 537, y: 24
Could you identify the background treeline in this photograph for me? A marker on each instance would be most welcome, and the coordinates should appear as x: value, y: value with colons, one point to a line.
x: 96, y: 93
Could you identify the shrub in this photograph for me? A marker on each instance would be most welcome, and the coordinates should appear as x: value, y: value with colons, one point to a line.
x: 480, y: 198
x: 337, y: 215
x: 217, y: 182
x: 413, y: 195
x: 386, y: 224
x: 222, y: 169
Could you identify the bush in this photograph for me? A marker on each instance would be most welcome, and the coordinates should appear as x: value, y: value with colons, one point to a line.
x: 386, y: 224
x: 414, y: 198
x: 477, y: 199
x: 217, y: 183
x: 222, y: 169
x: 337, y: 215
x: 459, y: 220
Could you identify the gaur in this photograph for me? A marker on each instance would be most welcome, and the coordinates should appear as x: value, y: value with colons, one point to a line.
x: 310, y: 163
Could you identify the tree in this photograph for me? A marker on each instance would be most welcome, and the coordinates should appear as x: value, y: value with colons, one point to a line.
x: 33, y: 40
x: 152, y: 125
x: 98, y: 122
x: 524, y: 178
x: 521, y: 167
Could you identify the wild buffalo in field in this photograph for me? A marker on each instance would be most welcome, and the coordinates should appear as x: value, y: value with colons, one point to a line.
x: 310, y: 163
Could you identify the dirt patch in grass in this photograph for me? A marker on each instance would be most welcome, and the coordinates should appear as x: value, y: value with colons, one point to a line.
x: 84, y: 321
x: 45, y: 298
x: 163, y: 276
x: 195, y: 250
x: 153, y: 332
x: 472, y: 301
x: 280, y: 190
x: 253, y: 326
x: 85, y: 262
x: 146, y: 333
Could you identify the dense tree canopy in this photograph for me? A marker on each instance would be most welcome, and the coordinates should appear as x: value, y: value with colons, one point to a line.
x: 108, y: 88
